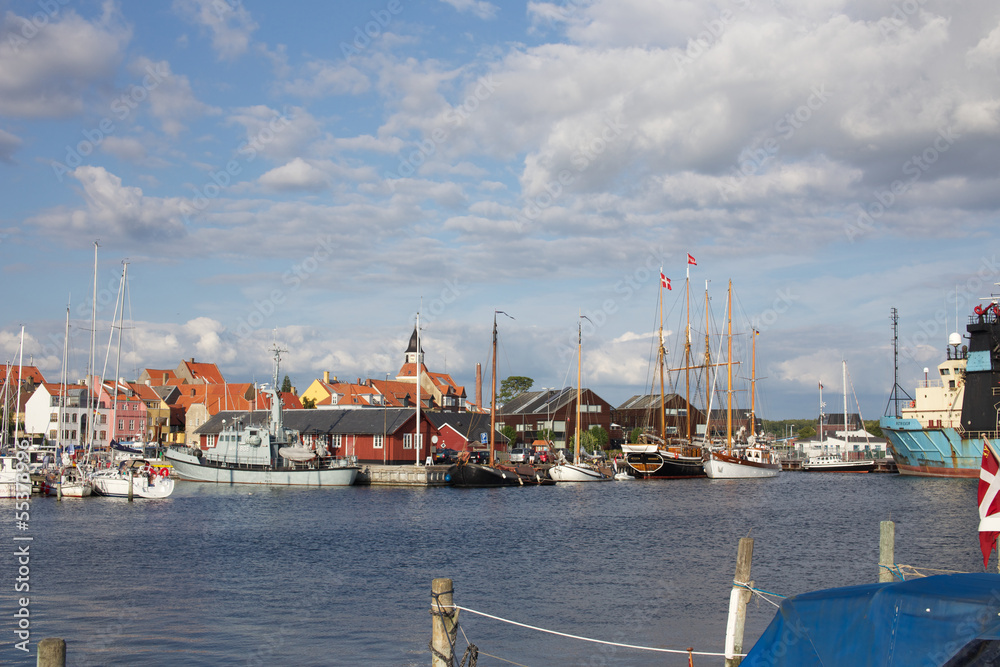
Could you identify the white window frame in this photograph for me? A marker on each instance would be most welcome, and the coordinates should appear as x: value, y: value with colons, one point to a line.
x: 377, y: 441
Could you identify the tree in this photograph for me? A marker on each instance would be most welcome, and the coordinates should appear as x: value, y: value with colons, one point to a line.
x: 806, y: 432
x: 545, y: 434
x: 286, y: 385
x: 594, y: 439
x: 309, y: 403
x: 512, y: 386
x: 509, y: 432
x: 872, y: 426
x: 633, y: 435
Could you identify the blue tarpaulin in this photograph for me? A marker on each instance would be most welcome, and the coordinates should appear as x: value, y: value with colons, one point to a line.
x: 928, y: 622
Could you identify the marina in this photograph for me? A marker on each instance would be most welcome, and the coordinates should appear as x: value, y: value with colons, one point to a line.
x: 341, y: 575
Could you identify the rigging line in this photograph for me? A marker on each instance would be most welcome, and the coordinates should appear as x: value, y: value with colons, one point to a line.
x: 588, y: 639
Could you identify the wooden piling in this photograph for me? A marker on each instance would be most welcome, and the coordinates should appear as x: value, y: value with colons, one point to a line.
x: 886, y: 551
x: 51, y: 652
x: 738, y: 599
x: 444, y: 623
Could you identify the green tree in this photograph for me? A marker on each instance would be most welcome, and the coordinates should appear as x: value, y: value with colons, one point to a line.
x: 872, y: 426
x: 633, y: 435
x: 806, y: 432
x: 509, y: 432
x: 545, y: 434
x: 309, y: 403
x: 512, y: 386
x: 286, y: 385
x: 594, y: 439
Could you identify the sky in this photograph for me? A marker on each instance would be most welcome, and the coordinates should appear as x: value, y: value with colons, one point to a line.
x: 315, y: 174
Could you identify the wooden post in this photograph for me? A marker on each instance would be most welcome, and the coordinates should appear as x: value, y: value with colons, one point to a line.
x: 52, y: 652
x: 444, y: 623
x: 131, y: 481
x: 738, y: 599
x: 886, y: 551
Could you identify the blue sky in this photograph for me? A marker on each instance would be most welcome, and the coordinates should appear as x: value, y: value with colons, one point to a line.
x: 314, y: 173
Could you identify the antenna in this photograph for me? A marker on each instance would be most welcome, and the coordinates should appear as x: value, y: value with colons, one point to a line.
x: 898, y: 394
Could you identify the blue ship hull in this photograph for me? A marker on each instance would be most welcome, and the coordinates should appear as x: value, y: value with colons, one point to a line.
x: 931, y: 452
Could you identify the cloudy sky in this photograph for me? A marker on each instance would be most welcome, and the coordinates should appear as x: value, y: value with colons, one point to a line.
x: 315, y: 173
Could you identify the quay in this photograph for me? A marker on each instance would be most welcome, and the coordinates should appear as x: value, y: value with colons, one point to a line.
x: 401, y: 475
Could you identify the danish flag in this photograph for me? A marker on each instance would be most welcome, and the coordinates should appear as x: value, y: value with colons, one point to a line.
x: 989, y: 503
x: 664, y: 281
x: 691, y: 260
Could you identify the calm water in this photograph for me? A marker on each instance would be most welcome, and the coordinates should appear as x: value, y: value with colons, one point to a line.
x: 244, y: 575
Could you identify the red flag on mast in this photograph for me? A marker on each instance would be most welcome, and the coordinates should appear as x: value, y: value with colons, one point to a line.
x: 989, y: 502
x: 664, y: 281
x: 691, y: 260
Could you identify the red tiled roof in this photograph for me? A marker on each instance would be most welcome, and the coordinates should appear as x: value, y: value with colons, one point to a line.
x: 27, y: 372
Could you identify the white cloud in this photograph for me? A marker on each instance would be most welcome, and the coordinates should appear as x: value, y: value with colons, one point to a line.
x: 328, y: 78
x: 8, y: 146
x: 171, y: 99
x: 46, y: 70
x: 277, y: 135
x: 295, y: 175
x: 114, y: 209
x: 480, y: 8
x: 228, y: 20
x: 129, y: 149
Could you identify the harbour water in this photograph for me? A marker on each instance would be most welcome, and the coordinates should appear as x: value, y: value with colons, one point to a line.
x: 342, y: 576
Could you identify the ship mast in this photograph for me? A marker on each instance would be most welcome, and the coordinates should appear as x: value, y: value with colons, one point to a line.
x: 729, y: 367
x: 687, y: 353
x: 753, y: 384
x: 708, y: 365
x: 493, y: 402
x: 579, y: 376
x: 660, y: 354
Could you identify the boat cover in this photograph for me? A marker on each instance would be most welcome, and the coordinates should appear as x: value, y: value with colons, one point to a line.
x: 942, y: 620
x: 297, y: 453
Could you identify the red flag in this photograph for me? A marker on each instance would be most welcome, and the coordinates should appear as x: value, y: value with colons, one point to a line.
x: 664, y: 281
x: 691, y: 260
x: 821, y: 386
x: 989, y: 502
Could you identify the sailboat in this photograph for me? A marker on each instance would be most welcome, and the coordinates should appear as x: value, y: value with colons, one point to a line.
x: 466, y: 474
x: 653, y: 457
x: 835, y: 462
x: 578, y: 471
x: 71, y: 480
x: 749, y: 461
x: 133, y: 477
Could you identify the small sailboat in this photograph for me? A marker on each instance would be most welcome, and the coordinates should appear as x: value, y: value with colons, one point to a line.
x: 749, y: 461
x: 835, y: 462
x: 578, y: 471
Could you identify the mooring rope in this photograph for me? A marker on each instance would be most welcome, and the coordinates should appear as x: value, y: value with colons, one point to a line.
x: 759, y: 592
x: 589, y: 639
x: 913, y: 571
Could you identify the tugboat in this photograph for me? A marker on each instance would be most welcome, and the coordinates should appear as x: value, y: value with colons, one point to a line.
x: 940, y: 433
x: 268, y: 453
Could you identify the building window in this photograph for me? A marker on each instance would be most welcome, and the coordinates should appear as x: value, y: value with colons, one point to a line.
x: 131, y: 424
x: 407, y: 441
x: 377, y: 441
x: 54, y: 417
x: 53, y: 434
x: 121, y: 424
x: 335, y: 441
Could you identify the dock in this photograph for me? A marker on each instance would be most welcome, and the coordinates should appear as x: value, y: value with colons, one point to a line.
x: 372, y: 474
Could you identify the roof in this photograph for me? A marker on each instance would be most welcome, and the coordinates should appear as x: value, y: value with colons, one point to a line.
x: 894, y: 624
x: 535, y: 402
x: 647, y: 401
x: 27, y: 372
x: 208, y: 373
x: 472, y: 425
x: 342, y: 422
x: 412, y: 346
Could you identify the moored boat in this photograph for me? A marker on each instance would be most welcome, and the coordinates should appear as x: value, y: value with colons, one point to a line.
x: 268, y: 453
x: 836, y: 463
x: 133, y: 478
x: 940, y: 433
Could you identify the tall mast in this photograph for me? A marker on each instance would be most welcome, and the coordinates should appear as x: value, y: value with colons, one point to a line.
x: 845, y: 403
x: 17, y: 404
x: 753, y: 384
x: 91, y: 370
x: 114, y: 383
x: 729, y: 367
x: 687, y: 353
x: 62, y: 380
x: 660, y: 354
x: 708, y: 365
x: 493, y: 400
x: 416, y: 445
x: 821, y: 406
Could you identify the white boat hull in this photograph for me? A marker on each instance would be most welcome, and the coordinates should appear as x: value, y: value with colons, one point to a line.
x: 720, y: 465
x: 575, y: 473
x: 116, y: 486
x: 192, y: 468
x: 76, y: 489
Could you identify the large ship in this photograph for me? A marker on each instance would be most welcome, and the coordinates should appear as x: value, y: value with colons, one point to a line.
x: 940, y: 433
x: 269, y: 453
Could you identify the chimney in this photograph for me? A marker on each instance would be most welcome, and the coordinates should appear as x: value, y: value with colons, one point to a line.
x: 192, y: 360
x: 164, y: 378
x: 479, y: 386
x: 326, y: 377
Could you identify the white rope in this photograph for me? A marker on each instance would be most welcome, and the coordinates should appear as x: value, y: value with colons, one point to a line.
x: 586, y: 639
